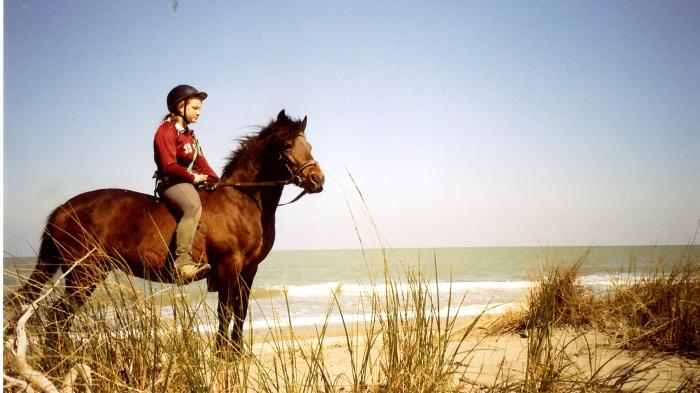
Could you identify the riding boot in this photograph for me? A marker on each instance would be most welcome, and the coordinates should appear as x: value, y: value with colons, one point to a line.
x: 187, y: 270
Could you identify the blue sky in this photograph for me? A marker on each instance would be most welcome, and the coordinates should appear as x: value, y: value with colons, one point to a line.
x: 464, y: 123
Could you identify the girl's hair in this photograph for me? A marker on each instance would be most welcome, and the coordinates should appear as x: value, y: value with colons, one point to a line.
x: 170, y: 118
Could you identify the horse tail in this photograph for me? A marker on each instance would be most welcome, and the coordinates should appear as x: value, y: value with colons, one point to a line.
x: 48, y: 262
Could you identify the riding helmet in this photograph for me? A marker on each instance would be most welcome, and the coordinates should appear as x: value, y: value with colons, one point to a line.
x: 183, y: 92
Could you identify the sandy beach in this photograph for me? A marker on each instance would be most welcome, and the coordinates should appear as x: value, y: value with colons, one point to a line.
x: 486, y: 360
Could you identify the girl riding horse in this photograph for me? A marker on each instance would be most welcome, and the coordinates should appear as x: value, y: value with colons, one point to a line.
x: 131, y: 231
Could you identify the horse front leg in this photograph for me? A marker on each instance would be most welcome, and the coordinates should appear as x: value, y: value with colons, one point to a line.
x: 228, y: 277
x: 246, y: 283
x: 224, y: 312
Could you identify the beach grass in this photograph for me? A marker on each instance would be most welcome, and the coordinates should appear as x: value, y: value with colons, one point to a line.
x: 124, y: 343
x: 654, y: 308
x: 659, y: 309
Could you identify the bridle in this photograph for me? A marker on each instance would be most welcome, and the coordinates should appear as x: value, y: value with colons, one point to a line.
x: 294, y: 178
x: 294, y: 175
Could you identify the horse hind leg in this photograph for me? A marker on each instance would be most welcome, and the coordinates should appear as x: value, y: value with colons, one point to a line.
x: 48, y: 263
x: 80, y: 284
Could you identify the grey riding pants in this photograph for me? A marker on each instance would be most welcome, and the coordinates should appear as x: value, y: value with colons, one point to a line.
x: 186, y: 199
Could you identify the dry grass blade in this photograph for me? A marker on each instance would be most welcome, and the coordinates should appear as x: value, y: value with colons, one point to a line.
x: 22, y: 366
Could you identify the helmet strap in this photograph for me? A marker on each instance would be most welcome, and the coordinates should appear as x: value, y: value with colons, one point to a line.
x: 184, y: 114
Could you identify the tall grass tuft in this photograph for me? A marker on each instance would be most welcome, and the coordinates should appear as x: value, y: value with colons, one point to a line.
x: 659, y: 309
x: 421, y: 350
x: 560, y: 299
x: 557, y: 299
x: 655, y: 309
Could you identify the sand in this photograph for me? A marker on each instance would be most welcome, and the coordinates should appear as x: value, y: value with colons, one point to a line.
x: 485, y: 359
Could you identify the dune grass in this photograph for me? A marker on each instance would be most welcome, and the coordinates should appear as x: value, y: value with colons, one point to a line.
x: 127, y: 343
x: 404, y: 345
x: 657, y: 308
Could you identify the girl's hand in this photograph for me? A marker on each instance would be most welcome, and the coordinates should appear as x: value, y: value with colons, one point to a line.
x: 199, y: 178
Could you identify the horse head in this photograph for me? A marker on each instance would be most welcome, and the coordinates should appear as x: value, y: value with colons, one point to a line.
x: 294, y: 151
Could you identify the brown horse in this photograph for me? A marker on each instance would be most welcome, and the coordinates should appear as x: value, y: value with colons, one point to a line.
x: 236, y: 232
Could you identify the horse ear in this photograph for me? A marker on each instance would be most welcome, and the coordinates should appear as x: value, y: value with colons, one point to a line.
x: 302, y: 128
x: 281, y: 115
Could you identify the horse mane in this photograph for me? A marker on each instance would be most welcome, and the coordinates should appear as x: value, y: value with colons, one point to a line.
x: 254, y: 147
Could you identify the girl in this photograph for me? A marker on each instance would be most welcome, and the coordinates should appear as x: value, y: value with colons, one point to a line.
x: 181, y: 166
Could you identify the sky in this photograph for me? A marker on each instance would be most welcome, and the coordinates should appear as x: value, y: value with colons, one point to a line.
x: 470, y: 123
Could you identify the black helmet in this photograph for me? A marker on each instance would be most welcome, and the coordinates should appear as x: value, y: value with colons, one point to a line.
x: 182, y: 92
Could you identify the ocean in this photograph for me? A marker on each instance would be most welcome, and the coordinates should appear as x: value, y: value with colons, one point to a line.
x: 307, y: 287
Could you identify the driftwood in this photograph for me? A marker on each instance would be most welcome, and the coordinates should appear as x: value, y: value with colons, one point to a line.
x: 28, y: 376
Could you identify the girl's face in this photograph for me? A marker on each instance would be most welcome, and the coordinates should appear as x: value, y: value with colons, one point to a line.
x: 191, y: 108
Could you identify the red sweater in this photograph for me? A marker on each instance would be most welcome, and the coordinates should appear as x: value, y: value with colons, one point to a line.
x: 173, y: 153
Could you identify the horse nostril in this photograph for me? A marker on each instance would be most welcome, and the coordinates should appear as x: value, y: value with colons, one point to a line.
x: 314, y: 178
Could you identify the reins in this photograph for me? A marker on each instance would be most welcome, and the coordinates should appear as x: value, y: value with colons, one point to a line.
x: 293, y: 179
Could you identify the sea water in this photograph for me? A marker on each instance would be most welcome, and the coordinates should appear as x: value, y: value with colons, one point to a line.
x: 312, y: 287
